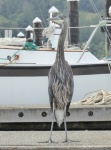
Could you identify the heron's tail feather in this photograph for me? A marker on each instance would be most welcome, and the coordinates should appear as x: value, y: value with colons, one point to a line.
x: 59, y: 115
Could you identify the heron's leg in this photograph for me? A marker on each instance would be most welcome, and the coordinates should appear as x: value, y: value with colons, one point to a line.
x: 52, y: 124
x: 50, y: 139
x: 65, y: 125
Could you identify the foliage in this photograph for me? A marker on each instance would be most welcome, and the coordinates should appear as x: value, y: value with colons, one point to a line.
x: 21, y: 13
x: 86, y: 5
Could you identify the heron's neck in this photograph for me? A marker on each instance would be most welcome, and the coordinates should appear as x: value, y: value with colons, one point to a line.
x: 60, y: 49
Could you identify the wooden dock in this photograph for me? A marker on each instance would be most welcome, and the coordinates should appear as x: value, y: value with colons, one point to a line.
x: 35, y: 117
x: 90, y: 128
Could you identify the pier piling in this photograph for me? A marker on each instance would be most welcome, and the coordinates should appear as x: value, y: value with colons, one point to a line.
x: 37, y: 31
x: 73, y: 14
x: 29, y: 30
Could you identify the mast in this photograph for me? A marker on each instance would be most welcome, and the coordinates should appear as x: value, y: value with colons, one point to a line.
x: 73, y: 15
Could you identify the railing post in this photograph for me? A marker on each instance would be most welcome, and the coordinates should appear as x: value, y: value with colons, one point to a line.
x: 20, y: 35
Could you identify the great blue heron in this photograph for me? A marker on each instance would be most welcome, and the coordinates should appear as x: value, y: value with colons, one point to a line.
x: 60, y: 78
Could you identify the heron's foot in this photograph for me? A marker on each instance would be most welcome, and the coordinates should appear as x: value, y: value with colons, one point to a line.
x: 68, y: 141
x: 49, y: 141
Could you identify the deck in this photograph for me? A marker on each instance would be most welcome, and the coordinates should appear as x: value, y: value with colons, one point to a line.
x: 40, y: 49
x: 29, y: 140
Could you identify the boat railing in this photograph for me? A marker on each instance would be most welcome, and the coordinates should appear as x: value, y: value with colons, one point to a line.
x: 68, y: 45
x: 103, y: 22
x: 8, y: 33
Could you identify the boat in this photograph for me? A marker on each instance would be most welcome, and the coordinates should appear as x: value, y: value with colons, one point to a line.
x: 25, y: 80
x: 24, y: 100
x: 24, y: 73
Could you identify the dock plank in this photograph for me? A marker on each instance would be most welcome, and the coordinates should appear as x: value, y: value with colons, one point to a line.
x: 96, y: 140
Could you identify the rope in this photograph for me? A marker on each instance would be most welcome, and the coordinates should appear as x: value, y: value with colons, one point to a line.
x: 9, y: 28
x: 41, y: 12
x: 10, y: 62
x: 11, y: 56
x: 95, y: 9
x: 100, y: 18
x: 105, y: 27
x: 15, y: 53
x: 80, y: 27
x: 100, y: 97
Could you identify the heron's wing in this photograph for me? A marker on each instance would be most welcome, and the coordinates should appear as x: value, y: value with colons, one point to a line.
x: 69, y: 78
x: 72, y: 89
x: 71, y: 84
x: 51, y: 96
x: 71, y: 94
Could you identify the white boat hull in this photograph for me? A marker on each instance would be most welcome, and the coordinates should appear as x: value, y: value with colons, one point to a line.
x: 34, y: 90
x: 25, y: 81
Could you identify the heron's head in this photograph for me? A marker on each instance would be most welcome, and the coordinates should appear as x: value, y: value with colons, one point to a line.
x: 58, y: 19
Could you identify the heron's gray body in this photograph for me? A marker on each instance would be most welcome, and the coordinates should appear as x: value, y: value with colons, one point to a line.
x: 60, y: 84
x: 60, y: 87
x: 60, y: 80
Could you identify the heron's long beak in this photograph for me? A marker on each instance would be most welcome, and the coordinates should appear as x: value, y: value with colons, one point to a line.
x: 55, y: 20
